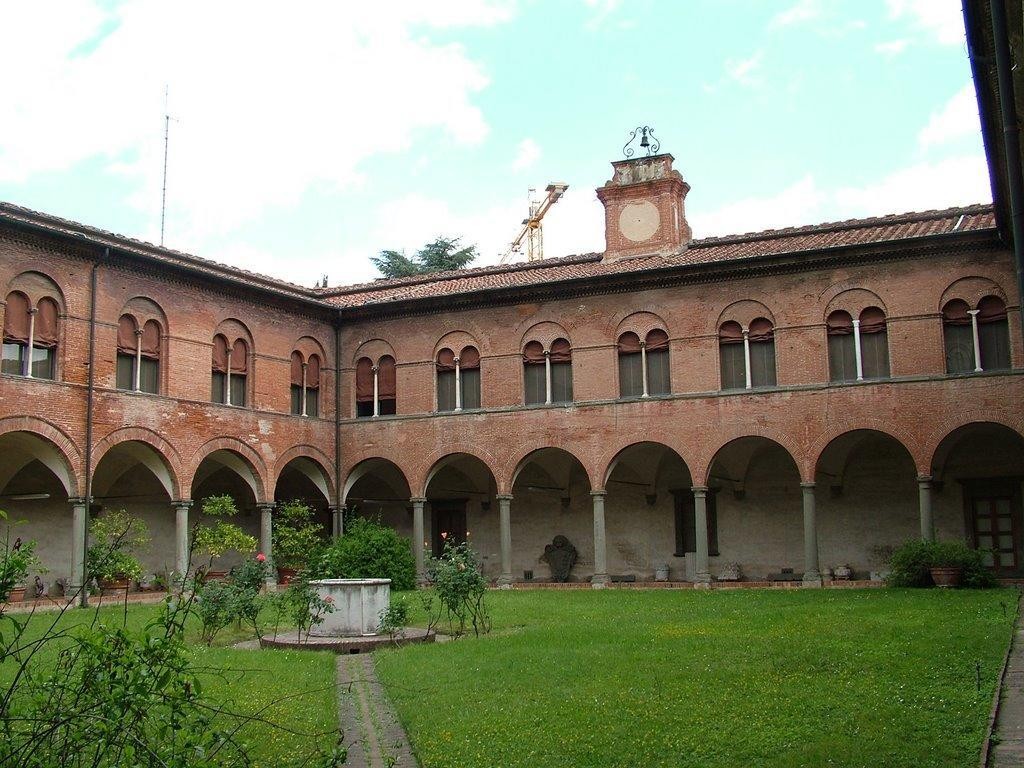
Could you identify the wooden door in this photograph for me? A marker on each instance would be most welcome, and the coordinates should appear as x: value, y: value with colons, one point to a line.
x: 449, y: 523
x: 995, y: 518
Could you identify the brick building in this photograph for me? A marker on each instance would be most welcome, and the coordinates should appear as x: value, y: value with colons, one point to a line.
x: 791, y: 400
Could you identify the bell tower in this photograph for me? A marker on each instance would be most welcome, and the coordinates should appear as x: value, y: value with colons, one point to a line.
x: 643, y: 203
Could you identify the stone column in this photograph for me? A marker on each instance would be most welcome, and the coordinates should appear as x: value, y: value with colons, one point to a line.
x: 418, y: 543
x: 812, y: 574
x: 702, y: 569
x: 600, y: 577
x: 181, y: 542
x: 79, y: 524
x: 505, y: 526
x: 267, y: 536
x: 337, y: 521
x: 924, y: 494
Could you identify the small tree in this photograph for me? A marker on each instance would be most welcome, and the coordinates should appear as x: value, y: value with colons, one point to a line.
x: 220, y: 537
x: 368, y: 550
x: 116, y: 537
x: 297, y: 537
x: 440, y: 255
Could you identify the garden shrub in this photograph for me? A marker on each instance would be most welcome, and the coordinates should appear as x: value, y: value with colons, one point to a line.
x: 296, y: 535
x: 220, y: 537
x: 239, y: 599
x: 911, y: 561
x: 368, y: 550
x: 116, y: 536
x: 460, y: 587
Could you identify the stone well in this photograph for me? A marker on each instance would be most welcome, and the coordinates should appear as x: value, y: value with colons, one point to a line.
x: 357, y: 606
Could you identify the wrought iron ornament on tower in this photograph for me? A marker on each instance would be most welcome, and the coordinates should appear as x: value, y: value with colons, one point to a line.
x: 648, y: 141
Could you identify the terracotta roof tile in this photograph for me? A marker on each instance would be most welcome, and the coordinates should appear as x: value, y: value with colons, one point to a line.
x: 793, y: 240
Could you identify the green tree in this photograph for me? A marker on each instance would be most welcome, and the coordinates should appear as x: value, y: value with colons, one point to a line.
x: 440, y: 255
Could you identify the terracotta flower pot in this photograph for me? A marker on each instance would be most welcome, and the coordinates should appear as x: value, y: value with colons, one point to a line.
x: 114, y: 586
x: 17, y: 595
x: 286, y: 575
x: 947, y: 577
x: 215, y: 576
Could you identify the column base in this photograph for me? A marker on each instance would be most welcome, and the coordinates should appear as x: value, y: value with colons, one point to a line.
x: 813, y: 580
x: 702, y: 581
x: 505, y: 581
x: 600, y: 580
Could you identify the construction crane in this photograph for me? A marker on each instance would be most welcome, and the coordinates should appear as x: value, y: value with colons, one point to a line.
x: 532, y: 232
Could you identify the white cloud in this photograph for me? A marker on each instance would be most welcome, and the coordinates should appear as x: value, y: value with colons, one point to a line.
x: 892, y: 47
x: 526, y: 155
x: 943, y: 20
x: 802, y: 11
x: 959, y: 117
x: 799, y: 203
x: 267, y: 103
x: 954, y: 181
x: 743, y: 70
x: 603, y: 9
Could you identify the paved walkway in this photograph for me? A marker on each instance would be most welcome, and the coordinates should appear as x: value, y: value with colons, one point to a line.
x: 372, y: 733
x: 1008, y: 738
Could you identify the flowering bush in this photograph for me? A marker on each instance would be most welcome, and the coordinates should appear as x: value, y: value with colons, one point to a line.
x: 461, y: 588
x: 911, y: 561
x: 116, y: 536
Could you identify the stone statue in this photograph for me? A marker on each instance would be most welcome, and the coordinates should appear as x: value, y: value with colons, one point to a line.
x: 560, y: 555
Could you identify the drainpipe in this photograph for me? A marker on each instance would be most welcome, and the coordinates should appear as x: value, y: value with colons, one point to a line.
x: 337, y: 422
x: 1011, y: 141
x: 83, y: 598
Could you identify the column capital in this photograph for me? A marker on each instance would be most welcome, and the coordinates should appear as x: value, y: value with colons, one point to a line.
x: 808, y: 486
x: 504, y: 497
x: 699, y: 490
x: 187, y: 503
x: 599, y: 493
x: 923, y: 479
x: 335, y: 507
x: 77, y: 501
x: 418, y: 500
x: 266, y: 506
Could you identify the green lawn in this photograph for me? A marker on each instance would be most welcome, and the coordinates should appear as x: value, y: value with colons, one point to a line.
x: 723, y: 678
x: 293, y: 689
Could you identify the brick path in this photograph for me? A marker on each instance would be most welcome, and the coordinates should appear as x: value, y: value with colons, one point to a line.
x: 1008, y: 738
x: 373, y: 735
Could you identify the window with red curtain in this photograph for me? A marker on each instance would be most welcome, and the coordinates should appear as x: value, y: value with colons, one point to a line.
x: 16, y: 327
x: 313, y: 386
x: 762, y: 353
x: 296, y: 383
x: 239, y: 372
x: 149, y: 377
x: 630, y: 371
x: 44, y: 340
x: 469, y: 371
x: 842, y: 355
x: 364, y: 387
x: 561, y: 371
x: 993, y: 334
x: 218, y: 381
x: 958, y: 337
x: 127, y: 349
x: 658, y: 375
x: 534, y: 375
x: 874, y: 344
x: 730, y: 352
x: 387, y: 386
x: 445, y: 365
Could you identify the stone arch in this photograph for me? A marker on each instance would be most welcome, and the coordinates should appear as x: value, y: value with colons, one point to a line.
x: 246, y: 463
x: 702, y: 465
x: 37, y: 285
x: 35, y: 439
x: 308, y: 345
x: 311, y: 462
x: 854, y: 301
x: 640, y: 323
x: 545, y: 332
x: 162, y: 458
x: 743, y: 312
x: 143, y: 308
x: 833, y: 458
x: 810, y: 459
x: 374, y: 349
x: 442, y: 459
x: 363, y: 467
x: 456, y: 341
x: 941, y: 448
x: 524, y: 457
x: 971, y: 289
x: 612, y: 458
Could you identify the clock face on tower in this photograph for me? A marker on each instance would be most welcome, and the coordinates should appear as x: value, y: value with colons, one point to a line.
x: 638, y: 221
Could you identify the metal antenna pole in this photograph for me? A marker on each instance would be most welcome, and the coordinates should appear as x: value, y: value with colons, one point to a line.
x: 163, y: 193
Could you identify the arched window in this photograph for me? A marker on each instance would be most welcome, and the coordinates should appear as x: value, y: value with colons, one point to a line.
x: 976, y: 339
x: 446, y: 368
x: 656, y: 362
x: 469, y: 376
x: 993, y: 334
x: 561, y: 371
x: 842, y: 357
x: 458, y: 379
x: 27, y: 329
x: 230, y: 371
x: 631, y: 376
x: 376, y: 387
x: 643, y: 365
x: 547, y: 373
x: 138, y: 355
x: 747, y: 356
x: 535, y: 362
x: 873, y: 337
x: 305, y: 385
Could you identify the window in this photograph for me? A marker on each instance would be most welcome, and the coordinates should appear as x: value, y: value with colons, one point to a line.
x: 874, y: 344
x: 686, y: 522
x: 535, y: 373
x: 730, y: 350
x: 469, y: 373
x: 446, y: 367
x: 547, y: 374
x: 762, y: 353
x: 305, y: 385
x: 458, y: 379
x: 631, y: 376
x: 993, y: 334
x: 561, y: 371
x: 229, y: 378
x: 28, y: 329
x: 976, y: 339
x: 656, y: 353
x: 842, y: 357
x: 138, y: 355
x: 376, y: 387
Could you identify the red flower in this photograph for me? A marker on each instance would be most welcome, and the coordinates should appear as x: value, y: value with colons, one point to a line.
x: 261, y: 557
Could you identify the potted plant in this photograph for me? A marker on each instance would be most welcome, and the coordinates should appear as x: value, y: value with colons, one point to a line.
x: 14, y: 568
x: 220, y: 537
x: 110, y: 559
x: 296, y: 537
